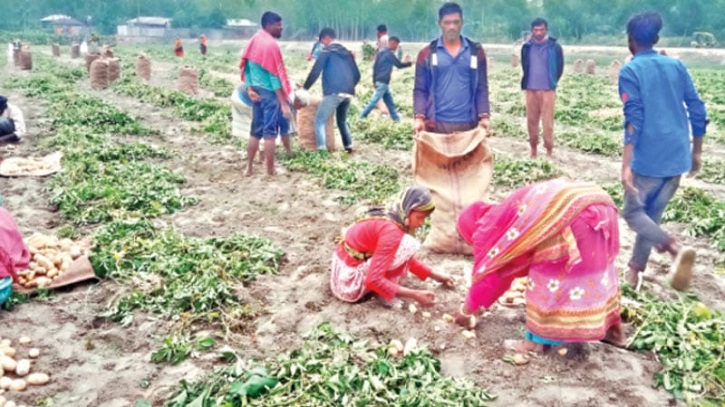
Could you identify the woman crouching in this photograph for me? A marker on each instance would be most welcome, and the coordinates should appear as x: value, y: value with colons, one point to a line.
x: 561, y: 234
x: 379, y: 249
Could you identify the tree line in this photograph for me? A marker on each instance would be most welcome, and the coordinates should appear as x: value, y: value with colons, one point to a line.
x: 486, y: 20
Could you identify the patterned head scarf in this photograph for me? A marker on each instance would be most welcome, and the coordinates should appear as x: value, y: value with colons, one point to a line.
x: 415, y: 198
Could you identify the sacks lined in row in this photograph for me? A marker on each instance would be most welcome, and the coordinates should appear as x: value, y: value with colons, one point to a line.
x: 143, y: 67
x: 25, y: 59
x: 104, y: 71
x: 188, y: 80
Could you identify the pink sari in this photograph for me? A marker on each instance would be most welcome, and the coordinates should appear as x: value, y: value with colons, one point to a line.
x: 564, y: 236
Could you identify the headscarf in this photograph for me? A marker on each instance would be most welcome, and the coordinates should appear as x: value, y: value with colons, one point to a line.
x: 14, y: 254
x: 415, y: 198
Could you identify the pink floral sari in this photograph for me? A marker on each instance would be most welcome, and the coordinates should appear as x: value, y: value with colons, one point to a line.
x: 564, y: 236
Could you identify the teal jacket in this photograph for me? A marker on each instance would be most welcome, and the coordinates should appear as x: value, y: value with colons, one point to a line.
x: 556, y: 62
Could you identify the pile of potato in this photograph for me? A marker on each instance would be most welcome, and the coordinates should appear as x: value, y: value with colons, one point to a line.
x: 50, y: 258
x: 15, y: 367
x: 516, y: 295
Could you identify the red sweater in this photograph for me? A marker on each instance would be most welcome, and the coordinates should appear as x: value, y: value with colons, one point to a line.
x: 379, y: 240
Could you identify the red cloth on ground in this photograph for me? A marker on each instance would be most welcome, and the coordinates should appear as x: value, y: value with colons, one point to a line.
x: 264, y: 50
x: 379, y: 240
x: 14, y: 254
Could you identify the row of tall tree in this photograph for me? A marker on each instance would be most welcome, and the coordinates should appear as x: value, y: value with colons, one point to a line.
x: 571, y: 20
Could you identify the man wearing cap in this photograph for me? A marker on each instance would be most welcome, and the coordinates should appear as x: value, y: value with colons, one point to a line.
x: 12, y: 124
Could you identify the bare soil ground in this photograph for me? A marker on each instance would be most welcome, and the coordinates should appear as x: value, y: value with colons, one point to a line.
x: 97, y: 363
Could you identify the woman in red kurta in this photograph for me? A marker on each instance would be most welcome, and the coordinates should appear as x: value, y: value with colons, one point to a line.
x: 378, y: 250
x: 14, y: 254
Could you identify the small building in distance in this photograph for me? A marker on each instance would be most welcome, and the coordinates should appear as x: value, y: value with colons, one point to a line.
x: 145, y: 27
x: 63, y: 24
x: 241, y: 28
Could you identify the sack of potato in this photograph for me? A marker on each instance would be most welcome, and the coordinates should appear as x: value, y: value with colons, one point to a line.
x: 50, y: 259
x: 516, y: 295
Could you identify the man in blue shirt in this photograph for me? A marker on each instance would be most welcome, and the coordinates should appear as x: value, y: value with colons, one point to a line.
x: 659, y: 99
x: 451, y: 83
x: 542, y: 61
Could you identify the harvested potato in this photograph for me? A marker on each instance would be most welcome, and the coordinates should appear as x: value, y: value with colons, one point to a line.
x: 8, y: 363
x: 8, y: 352
x: 410, y: 346
x: 44, y: 262
x: 10, y: 403
x: 75, y: 252
x: 448, y: 318
x: 18, y: 385
x: 34, y: 353
x: 520, y: 359
x: 22, y: 368
x: 24, y: 340
x: 412, y: 308
x: 38, y: 379
x: 43, y: 282
x: 468, y: 334
x: 5, y: 382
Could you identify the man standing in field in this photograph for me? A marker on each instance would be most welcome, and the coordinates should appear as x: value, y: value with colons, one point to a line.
x: 659, y: 98
x: 263, y: 71
x: 385, y: 60
x: 383, y: 38
x: 451, y: 83
x: 542, y: 61
x: 340, y: 75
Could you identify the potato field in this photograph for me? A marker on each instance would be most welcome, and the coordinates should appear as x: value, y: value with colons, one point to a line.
x: 213, y: 288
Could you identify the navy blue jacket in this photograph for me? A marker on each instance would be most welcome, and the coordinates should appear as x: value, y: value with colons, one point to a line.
x: 338, y: 68
x: 555, y: 61
x: 384, y: 63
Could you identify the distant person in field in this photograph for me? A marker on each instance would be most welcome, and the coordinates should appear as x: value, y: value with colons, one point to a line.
x: 202, y: 44
x: 382, y: 38
x: 661, y: 106
x: 94, y: 44
x: 385, y: 60
x: 340, y: 75
x: 263, y: 71
x: 178, y: 48
x: 378, y: 250
x: 12, y: 122
x: 315, y: 52
x: 451, y: 82
x: 14, y: 254
x: 542, y: 61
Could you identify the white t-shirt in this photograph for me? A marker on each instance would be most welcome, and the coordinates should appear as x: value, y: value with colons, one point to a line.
x: 14, y: 114
x: 382, y: 42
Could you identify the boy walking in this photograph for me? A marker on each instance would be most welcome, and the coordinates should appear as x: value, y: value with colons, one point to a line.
x: 657, y: 147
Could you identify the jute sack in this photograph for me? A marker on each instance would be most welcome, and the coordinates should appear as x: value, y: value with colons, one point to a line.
x: 75, y: 51
x: 306, y: 127
x: 457, y: 168
x: 106, y: 52
x: 143, y: 67
x: 188, y: 80
x: 56, y: 50
x: 591, y: 67
x: 99, y: 74
x: 579, y: 66
x: 614, y: 68
x: 89, y: 60
x: 26, y: 59
x: 114, y: 69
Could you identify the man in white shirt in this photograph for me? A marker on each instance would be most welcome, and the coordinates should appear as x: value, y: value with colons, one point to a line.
x: 12, y: 123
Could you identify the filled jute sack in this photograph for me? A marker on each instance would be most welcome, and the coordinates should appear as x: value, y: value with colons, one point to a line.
x: 106, y: 52
x: 114, y: 69
x: 614, y: 68
x: 591, y: 67
x: 56, y: 50
x: 99, y: 74
x: 143, y: 67
x: 188, y: 80
x: 26, y: 59
x: 457, y: 168
x: 89, y: 60
x: 579, y: 66
x: 75, y: 51
x: 306, y: 127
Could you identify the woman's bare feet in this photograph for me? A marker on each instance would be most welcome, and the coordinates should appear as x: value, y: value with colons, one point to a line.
x: 523, y: 346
